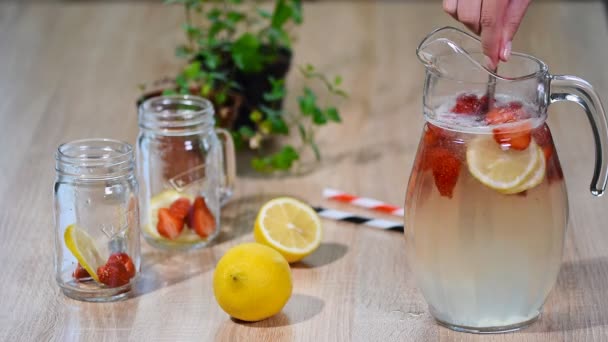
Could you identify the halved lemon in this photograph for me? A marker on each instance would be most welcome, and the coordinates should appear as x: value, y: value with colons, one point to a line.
x: 164, y: 200
x: 503, y: 170
x: 291, y: 227
x: 82, y: 246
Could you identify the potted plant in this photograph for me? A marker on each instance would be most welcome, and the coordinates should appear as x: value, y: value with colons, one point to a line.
x: 238, y: 54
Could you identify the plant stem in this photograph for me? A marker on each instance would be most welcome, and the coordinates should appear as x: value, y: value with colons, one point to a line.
x: 189, y: 23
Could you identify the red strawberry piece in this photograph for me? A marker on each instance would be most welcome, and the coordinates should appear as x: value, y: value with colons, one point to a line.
x: 180, y: 208
x: 517, y: 138
x: 513, y: 105
x: 113, y: 274
x: 439, y: 136
x: 430, y: 138
x: 554, y: 172
x: 446, y: 168
x: 483, y: 104
x: 467, y: 104
x: 542, y: 136
x: 501, y: 115
x: 548, y: 151
x: 125, y: 260
x: 168, y: 225
x: 190, y: 216
x: 80, y: 273
x: 511, y: 112
x: 203, y: 221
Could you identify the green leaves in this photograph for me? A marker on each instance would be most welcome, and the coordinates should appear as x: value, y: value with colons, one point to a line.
x: 334, y: 87
x: 224, y: 37
x: 282, y: 160
x: 246, y: 53
x: 275, y: 119
x: 332, y: 114
x: 169, y: 92
x: 307, y: 102
x: 192, y: 70
x: 285, y: 10
x: 235, y: 17
x: 309, y: 107
x: 183, y: 51
x: 264, y: 13
x: 277, y: 91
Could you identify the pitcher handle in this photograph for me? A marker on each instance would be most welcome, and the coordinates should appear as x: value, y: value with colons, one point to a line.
x: 575, y: 89
x: 229, y: 165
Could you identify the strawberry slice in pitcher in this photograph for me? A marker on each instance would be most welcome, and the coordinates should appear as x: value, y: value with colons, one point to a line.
x: 517, y: 137
x: 467, y: 104
x: 445, y: 167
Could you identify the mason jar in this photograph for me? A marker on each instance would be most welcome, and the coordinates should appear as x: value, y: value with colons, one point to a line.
x: 186, y: 172
x: 97, y: 249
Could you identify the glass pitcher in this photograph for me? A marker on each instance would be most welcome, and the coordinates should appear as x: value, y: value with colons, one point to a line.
x: 486, y: 204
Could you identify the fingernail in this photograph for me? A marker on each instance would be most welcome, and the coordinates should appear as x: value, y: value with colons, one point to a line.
x: 489, y: 63
x: 506, y: 52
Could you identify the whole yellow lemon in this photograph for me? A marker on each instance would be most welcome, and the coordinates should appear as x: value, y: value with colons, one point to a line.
x: 252, y: 282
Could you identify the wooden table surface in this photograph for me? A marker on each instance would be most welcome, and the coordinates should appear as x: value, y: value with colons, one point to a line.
x: 69, y: 70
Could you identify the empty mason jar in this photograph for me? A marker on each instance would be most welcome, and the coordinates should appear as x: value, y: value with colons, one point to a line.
x: 97, y: 250
x: 185, y: 170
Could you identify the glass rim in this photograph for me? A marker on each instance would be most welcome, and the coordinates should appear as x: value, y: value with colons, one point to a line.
x: 92, y: 153
x: 153, y: 113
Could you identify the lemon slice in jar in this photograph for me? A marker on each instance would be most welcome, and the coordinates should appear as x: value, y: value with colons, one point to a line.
x: 83, y: 247
x: 289, y: 226
x: 507, y: 171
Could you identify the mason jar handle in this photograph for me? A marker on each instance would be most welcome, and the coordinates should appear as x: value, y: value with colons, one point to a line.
x: 575, y: 89
x: 229, y: 167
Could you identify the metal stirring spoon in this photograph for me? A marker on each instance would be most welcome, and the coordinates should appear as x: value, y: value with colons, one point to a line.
x: 491, y: 90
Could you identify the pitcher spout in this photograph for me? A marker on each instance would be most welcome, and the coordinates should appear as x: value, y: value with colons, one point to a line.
x: 447, y: 51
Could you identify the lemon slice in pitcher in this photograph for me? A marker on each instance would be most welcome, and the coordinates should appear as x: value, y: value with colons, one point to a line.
x: 83, y: 248
x: 535, y: 177
x: 291, y: 227
x: 503, y: 170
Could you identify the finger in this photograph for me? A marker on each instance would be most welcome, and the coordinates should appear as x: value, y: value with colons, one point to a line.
x: 513, y: 17
x: 451, y: 6
x: 469, y: 13
x: 491, y: 22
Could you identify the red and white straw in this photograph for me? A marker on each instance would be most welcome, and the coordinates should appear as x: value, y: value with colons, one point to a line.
x: 363, y: 202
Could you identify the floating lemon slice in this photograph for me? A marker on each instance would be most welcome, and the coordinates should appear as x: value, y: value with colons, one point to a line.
x: 164, y: 200
x: 535, y: 178
x: 291, y: 227
x: 84, y: 250
x: 507, y: 171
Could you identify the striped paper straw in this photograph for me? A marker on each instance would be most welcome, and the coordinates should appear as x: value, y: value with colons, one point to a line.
x: 368, y: 203
x: 352, y: 218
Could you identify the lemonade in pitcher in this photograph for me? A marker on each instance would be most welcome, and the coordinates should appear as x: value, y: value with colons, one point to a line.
x: 491, y: 204
x: 486, y: 207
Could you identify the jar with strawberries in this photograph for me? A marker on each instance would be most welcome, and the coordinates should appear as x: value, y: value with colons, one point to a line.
x: 185, y: 169
x: 97, y: 250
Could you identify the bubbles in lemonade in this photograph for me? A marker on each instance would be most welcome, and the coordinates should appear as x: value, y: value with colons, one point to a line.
x: 485, y: 214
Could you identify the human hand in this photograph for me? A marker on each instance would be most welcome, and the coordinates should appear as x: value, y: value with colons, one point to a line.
x: 495, y: 20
